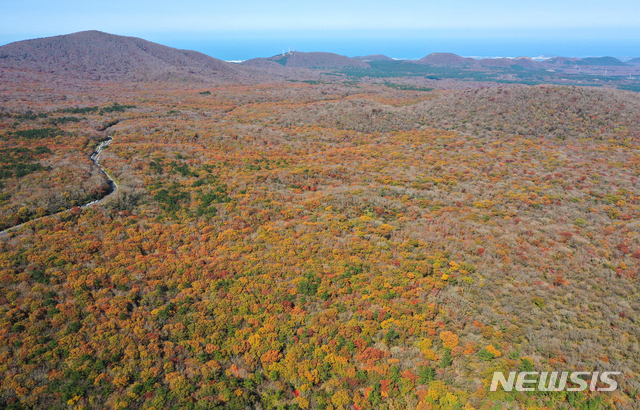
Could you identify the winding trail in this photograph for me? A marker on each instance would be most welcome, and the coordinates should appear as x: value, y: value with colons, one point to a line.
x: 95, y: 158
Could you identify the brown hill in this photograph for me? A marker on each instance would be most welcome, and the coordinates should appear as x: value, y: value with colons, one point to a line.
x: 564, y: 61
x: 446, y: 59
x: 374, y: 57
x: 102, y: 56
x: 299, y: 59
x: 263, y: 69
x: 496, y: 62
x: 547, y: 112
x: 527, y: 63
x: 454, y: 60
x: 524, y: 62
x: 263, y: 63
x: 604, y: 61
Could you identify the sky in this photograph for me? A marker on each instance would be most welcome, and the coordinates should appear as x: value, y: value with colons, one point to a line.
x: 244, y: 29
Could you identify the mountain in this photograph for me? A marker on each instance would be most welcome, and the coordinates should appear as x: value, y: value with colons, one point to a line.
x: 94, y: 55
x: 445, y: 59
x: 564, y: 61
x: 266, y: 69
x: 608, y: 61
x: 524, y: 62
x: 454, y: 60
x: 374, y: 57
x: 101, y: 56
x: 634, y: 61
x: 298, y: 59
x: 501, y: 62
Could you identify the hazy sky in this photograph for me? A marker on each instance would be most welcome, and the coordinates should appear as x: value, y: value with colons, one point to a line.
x: 235, y: 24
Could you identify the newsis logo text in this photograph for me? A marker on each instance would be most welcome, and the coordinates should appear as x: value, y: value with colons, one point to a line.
x: 555, y: 381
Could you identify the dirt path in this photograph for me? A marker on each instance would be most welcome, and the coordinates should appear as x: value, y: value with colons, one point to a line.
x: 95, y: 157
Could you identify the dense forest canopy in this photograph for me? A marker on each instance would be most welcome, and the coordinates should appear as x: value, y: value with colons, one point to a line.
x: 316, y: 245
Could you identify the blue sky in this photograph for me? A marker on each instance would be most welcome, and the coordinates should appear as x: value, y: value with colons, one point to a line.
x: 402, y: 28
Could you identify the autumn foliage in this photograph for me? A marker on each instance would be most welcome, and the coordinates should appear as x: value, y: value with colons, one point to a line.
x: 286, y: 245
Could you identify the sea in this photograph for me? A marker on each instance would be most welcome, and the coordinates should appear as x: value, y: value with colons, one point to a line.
x: 237, y: 49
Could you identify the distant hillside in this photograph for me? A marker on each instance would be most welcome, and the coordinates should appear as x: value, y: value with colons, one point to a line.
x: 634, y: 61
x: 608, y: 61
x: 262, y: 63
x: 374, y: 57
x: 495, y: 62
x: 266, y: 69
x: 524, y: 62
x: 562, y: 113
x: 454, y: 60
x: 101, y: 56
x: 565, y: 61
x: 94, y: 55
x: 299, y: 59
x: 445, y: 59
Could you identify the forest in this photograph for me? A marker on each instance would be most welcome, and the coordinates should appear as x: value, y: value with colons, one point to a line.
x: 316, y: 245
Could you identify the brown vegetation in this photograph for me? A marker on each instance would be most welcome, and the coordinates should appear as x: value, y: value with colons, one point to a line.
x: 96, y: 55
x: 350, y: 246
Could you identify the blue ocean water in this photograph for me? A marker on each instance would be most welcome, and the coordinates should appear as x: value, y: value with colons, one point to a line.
x: 227, y: 47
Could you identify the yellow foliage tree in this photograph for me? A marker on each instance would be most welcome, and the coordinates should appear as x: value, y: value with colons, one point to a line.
x: 425, y: 347
x: 493, y: 351
x: 341, y: 398
x: 449, y: 339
